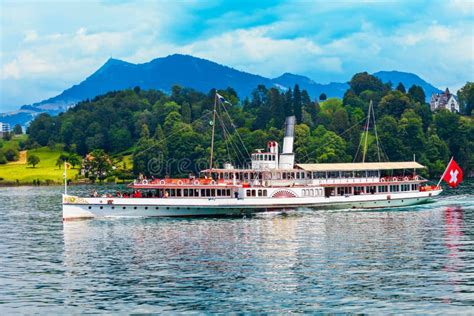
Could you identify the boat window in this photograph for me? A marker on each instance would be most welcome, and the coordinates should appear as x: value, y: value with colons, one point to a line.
x: 259, y: 192
x: 264, y: 192
x: 358, y: 190
x: 333, y: 174
x: 227, y: 192
x: 414, y: 187
x: 360, y: 174
x: 382, y: 188
x: 346, y: 174
x: 371, y: 189
x: 405, y: 187
x: 394, y: 188
x: 373, y: 173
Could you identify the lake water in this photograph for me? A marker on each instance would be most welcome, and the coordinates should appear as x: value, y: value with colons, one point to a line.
x: 411, y: 260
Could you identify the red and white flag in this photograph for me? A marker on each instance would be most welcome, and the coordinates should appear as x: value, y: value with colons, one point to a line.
x: 453, y: 174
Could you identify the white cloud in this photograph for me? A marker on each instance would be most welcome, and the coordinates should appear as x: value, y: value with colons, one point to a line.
x: 65, y: 46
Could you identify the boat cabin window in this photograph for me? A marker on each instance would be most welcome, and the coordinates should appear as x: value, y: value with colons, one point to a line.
x: 370, y: 189
x: 360, y: 174
x: 394, y: 188
x: 346, y: 174
x: 253, y: 193
x: 382, y: 188
x: 405, y: 187
x: 372, y: 173
x: 344, y: 190
x: 359, y: 190
x: 414, y: 187
x: 319, y: 175
x: 333, y: 174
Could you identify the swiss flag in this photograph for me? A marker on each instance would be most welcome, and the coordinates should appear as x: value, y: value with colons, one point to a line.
x: 453, y: 174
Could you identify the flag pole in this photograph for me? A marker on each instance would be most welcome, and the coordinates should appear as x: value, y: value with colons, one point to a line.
x: 442, y: 176
x: 65, y: 178
x: 213, y: 129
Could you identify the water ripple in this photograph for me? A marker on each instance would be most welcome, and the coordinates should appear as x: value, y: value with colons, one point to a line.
x: 407, y: 260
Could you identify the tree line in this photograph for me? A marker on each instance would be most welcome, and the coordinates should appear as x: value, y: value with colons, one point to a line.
x: 175, y: 128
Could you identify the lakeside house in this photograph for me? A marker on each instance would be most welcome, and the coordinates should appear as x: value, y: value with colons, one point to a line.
x: 4, y: 129
x: 445, y: 100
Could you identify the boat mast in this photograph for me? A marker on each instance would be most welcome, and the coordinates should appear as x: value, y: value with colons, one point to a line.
x: 65, y: 178
x: 366, y: 132
x: 213, y: 130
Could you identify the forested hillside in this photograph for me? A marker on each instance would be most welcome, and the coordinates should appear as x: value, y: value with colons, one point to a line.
x: 176, y: 129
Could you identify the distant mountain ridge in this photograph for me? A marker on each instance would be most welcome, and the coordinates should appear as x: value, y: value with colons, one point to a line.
x: 188, y: 71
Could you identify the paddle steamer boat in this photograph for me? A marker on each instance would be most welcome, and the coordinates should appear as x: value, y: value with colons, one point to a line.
x: 271, y: 182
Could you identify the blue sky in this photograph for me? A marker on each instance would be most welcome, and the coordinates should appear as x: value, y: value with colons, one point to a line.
x: 47, y: 46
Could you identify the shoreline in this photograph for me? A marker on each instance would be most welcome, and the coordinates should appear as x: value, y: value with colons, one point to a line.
x: 53, y: 184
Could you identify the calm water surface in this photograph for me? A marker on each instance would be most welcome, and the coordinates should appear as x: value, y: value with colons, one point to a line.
x: 410, y: 260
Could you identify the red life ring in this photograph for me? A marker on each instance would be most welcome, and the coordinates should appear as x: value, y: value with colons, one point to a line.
x: 394, y: 179
x: 180, y: 182
x: 162, y: 182
x: 196, y: 182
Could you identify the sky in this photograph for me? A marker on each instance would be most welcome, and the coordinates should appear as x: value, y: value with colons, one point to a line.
x: 48, y: 46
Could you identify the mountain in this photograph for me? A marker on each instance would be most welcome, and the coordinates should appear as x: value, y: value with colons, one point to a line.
x: 408, y: 79
x: 188, y: 71
x: 333, y: 89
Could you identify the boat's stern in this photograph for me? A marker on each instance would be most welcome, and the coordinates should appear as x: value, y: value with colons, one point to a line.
x: 75, y: 208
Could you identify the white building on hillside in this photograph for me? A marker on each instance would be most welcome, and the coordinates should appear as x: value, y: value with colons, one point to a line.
x: 445, y: 100
x: 4, y: 128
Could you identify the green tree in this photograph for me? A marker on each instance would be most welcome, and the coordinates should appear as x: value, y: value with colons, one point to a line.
x: 391, y: 142
x: 297, y: 105
x: 74, y: 160
x: 33, y: 160
x: 17, y: 129
x: 3, y: 159
x: 186, y: 112
x: 323, y: 97
x: 417, y: 94
x: 41, y: 129
x: 99, y: 166
x: 61, y: 160
x: 394, y: 103
x: 363, y: 81
x: 401, y: 88
x: 12, y: 154
x: 466, y: 98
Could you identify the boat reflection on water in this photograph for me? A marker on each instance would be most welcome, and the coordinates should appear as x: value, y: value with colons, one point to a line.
x: 313, y: 258
x: 454, y: 221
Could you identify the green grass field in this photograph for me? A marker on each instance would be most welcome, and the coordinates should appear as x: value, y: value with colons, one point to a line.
x: 46, y: 170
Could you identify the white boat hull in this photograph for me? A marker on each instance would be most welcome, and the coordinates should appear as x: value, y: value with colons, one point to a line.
x: 76, y: 208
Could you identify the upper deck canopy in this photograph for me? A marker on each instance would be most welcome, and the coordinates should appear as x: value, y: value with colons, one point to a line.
x: 360, y: 166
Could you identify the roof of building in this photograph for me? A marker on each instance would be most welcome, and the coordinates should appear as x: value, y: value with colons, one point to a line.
x: 360, y: 166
